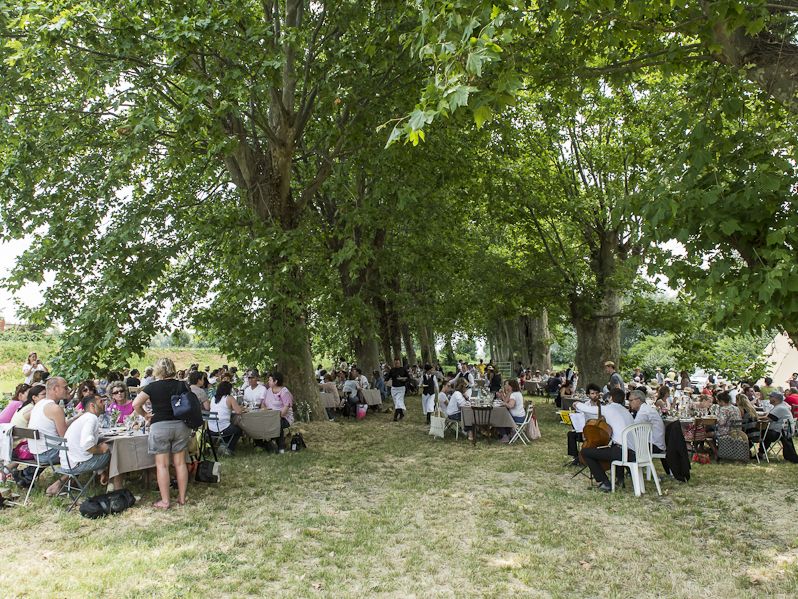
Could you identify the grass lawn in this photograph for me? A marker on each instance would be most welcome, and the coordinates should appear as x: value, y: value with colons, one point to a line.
x: 378, y: 508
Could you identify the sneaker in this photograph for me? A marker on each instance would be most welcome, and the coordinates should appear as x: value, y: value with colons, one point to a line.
x: 605, y: 488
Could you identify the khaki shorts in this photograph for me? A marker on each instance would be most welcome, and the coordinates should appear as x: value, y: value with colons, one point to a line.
x: 168, y: 436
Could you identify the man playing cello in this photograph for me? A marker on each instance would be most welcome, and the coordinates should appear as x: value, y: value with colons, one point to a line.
x: 618, y: 417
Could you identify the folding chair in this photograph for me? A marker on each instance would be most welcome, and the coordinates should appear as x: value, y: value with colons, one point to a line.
x: 520, y: 429
x: 208, y: 440
x: 775, y: 447
x: 29, y: 434
x: 215, y: 440
x: 458, y: 426
x: 59, y: 443
x: 641, y: 437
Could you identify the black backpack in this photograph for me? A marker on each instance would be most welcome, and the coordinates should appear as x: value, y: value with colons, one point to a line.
x: 186, y: 406
x: 297, y: 442
x: 108, y: 503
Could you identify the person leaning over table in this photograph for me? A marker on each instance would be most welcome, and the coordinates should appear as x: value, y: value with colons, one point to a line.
x: 513, y: 400
x: 168, y: 436
x: 645, y: 413
x: 224, y: 405
x: 119, y: 399
x: 618, y: 417
x: 279, y: 398
x: 782, y: 425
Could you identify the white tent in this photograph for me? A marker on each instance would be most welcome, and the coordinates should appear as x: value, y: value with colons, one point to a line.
x: 782, y: 355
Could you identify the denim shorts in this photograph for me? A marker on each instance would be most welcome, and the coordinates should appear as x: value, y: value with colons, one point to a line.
x: 96, y: 462
x: 168, y: 436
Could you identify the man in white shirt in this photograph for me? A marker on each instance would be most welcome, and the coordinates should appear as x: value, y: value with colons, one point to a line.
x: 618, y: 417
x: 646, y: 413
x: 85, y: 452
x: 255, y: 392
x: 782, y: 427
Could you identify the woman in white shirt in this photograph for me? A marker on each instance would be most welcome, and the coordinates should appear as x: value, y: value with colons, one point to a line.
x: 224, y: 405
x: 456, y: 403
x: 513, y: 400
x: 31, y: 365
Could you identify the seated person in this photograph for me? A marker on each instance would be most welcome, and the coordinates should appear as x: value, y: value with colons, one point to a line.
x: 726, y: 414
x: 791, y: 399
x: 443, y: 396
x: 618, y: 417
x: 119, y: 399
x: 379, y: 384
x: 782, y: 426
x: 662, y: 403
x: 350, y: 393
x: 565, y: 391
x: 574, y: 438
x: 646, y: 413
x: 513, y: 400
x: 456, y: 402
x: 85, y: 452
x: 17, y: 399
x: 328, y: 386
x: 224, y: 405
x: 279, y: 398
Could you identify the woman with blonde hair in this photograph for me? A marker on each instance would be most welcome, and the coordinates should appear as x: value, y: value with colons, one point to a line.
x: 168, y: 435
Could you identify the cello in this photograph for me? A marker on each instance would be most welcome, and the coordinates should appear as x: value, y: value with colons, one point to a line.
x: 597, y: 433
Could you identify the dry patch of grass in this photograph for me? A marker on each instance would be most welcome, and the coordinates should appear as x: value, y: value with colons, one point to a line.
x: 378, y: 508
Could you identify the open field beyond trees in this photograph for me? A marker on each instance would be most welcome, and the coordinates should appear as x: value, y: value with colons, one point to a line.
x: 14, y: 353
x: 379, y: 508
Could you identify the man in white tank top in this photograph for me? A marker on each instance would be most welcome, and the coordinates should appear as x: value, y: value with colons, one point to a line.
x: 48, y: 418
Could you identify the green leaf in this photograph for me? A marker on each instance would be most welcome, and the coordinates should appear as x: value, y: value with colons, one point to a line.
x: 482, y: 115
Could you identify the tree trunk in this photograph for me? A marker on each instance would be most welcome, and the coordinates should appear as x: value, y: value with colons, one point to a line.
x: 448, y: 350
x: 395, y: 334
x: 410, y: 350
x: 598, y: 337
x: 367, y: 353
x: 295, y: 362
x: 538, y: 342
x: 423, y: 339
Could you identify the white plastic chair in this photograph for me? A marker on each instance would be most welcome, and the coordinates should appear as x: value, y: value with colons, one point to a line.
x: 520, y: 429
x: 640, y: 436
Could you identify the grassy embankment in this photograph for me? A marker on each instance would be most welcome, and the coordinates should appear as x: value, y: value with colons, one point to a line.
x: 380, y: 509
x: 14, y: 353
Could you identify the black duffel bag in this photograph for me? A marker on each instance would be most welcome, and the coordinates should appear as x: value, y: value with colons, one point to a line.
x: 108, y: 503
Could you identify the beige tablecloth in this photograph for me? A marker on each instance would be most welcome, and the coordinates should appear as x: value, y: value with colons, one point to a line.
x: 499, y: 417
x: 328, y: 400
x: 129, y: 454
x: 533, y: 388
x: 372, y: 397
x: 260, y: 424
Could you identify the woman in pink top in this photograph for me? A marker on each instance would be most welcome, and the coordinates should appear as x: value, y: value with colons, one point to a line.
x: 279, y: 398
x: 20, y: 395
x: 120, y: 401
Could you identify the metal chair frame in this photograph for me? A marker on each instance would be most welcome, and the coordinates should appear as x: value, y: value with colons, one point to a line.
x: 60, y: 443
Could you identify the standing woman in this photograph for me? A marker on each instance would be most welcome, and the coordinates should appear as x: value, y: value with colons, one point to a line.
x: 224, y: 405
x: 398, y: 377
x: 32, y: 365
x: 279, y: 398
x: 168, y: 435
x: 428, y: 385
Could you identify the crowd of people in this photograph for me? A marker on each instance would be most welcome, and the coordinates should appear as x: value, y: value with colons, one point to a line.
x: 49, y: 405
x: 660, y: 399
